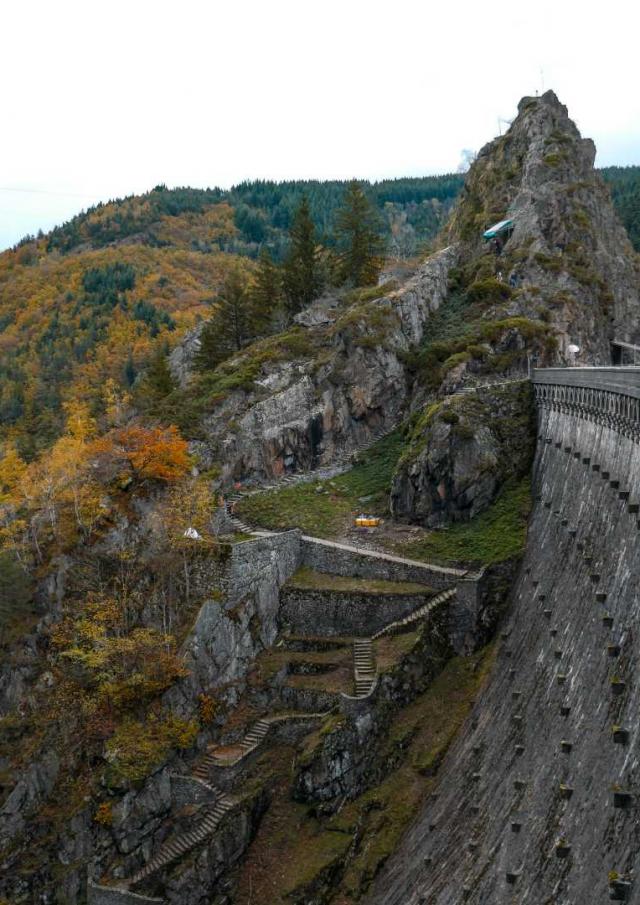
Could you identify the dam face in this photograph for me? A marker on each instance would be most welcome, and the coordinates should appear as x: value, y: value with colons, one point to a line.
x: 539, y: 798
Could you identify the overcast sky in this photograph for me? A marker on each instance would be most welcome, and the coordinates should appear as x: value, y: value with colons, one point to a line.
x: 102, y: 99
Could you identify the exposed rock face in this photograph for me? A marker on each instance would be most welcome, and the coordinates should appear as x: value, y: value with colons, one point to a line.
x: 526, y: 809
x: 307, y: 411
x: 229, y: 633
x: 569, y: 254
x: 181, y: 358
x: 462, y: 453
x: 30, y: 791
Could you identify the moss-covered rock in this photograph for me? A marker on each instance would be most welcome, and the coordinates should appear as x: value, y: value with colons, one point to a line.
x: 462, y: 453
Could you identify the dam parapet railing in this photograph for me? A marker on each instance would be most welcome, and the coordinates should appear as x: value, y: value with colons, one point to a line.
x: 608, y: 396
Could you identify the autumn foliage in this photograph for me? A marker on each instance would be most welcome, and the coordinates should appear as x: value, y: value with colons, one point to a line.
x: 158, y: 454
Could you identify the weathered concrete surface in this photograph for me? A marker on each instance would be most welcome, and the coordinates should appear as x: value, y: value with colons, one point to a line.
x: 556, y: 655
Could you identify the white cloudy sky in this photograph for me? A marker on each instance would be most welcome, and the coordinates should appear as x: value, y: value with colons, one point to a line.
x: 102, y: 99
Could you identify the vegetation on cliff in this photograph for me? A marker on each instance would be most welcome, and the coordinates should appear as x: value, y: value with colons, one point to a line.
x: 298, y: 854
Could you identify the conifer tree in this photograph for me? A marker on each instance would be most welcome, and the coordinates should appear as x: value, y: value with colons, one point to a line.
x: 360, y: 257
x: 302, y: 271
x: 266, y: 293
x: 159, y: 380
x: 229, y: 330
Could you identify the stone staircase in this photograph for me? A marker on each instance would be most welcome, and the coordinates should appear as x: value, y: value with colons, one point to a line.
x: 256, y: 734
x: 418, y: 614
x: 184, y: 842
x: 364, y: 668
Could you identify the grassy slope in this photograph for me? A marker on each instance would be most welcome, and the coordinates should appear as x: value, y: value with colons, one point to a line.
x: 326, y: 513
x: 493, y: 536
x: 307, y: 579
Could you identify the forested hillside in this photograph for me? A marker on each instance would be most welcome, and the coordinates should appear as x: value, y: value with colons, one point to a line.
x: 261, y: 214
x: 85, y: 309
x: 624, y: 183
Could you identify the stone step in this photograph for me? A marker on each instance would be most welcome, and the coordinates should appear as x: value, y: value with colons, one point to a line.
x: 177, y: 847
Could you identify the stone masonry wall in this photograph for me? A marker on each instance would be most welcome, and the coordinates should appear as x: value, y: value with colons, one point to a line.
x: 306, y: 612
x: 538, y: 762
x: 340, y: 559
x: 229, y: 633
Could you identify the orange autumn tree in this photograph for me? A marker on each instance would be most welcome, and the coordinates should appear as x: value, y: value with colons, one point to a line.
x: 156, y: 453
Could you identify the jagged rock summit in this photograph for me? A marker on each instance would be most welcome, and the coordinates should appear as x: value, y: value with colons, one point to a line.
x: 568, y: 253
x: 564, y: 277
x: 558, y: 285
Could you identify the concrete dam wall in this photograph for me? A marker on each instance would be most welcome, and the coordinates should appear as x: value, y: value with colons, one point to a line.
x: 539, y: 798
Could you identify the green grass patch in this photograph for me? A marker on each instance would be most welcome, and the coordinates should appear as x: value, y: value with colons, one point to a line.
x: 327, y: 508
x: 309, y: 580
x: 369, y: 293
x: 497, y: 534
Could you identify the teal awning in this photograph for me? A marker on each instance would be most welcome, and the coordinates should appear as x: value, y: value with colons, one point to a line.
x: 498, y: 228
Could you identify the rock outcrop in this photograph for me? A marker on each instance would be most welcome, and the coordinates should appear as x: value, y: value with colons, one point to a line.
x: 462, y: 452
x: 347, y: 381
x: 568, y: 255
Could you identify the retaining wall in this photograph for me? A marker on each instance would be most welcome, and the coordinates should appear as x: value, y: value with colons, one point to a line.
x: 307, y: 612
x: 354, y: 562
x: 229, y: 633
x: 108, y: 895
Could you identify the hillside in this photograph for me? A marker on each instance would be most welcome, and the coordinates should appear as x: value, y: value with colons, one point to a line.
x: 216, y: 684
x: 59, y: 339
x: 97, y: 298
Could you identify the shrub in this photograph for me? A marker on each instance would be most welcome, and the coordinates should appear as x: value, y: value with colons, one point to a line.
x: 137, y: 748
x: 104, y: 814
x: 488, y: 291
x: 208, y: 709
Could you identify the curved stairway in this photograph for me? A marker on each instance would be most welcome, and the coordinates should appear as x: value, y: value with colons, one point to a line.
x: 183, y: 842
x: 250, y: 741
x: 364, y: 667
x: 418, y: 614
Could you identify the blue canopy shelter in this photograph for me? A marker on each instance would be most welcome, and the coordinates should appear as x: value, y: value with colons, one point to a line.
x: 501, y: 229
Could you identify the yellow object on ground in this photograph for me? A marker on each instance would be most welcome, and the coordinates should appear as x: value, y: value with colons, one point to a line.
x: 367, y: 522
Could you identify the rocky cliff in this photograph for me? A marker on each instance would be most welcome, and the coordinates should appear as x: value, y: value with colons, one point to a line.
x: 564, y: 276
x: 568, y: 255
x: 317, y: 392
x: 461, y: 452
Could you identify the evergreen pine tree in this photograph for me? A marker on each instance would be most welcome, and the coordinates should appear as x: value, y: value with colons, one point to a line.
x: 266, y: 294
x: 229, y: 330
x: 302, y: 278
x: 159, y: 380
x: 360, y: 257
